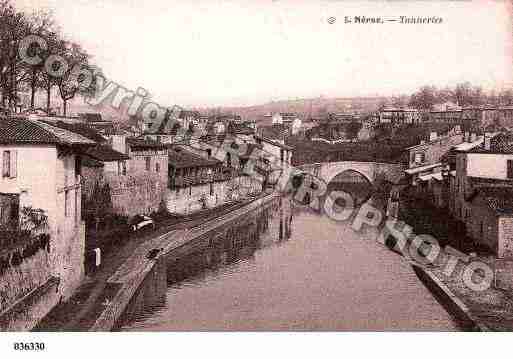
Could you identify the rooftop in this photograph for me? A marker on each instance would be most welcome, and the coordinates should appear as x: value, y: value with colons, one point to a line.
x: 92, y: 117
x: 144, y: 143
x: 501, y: 143
x: 79, y: 128
x: 181, y: 158
x: 105, y: 153
x: 240, y: 129
x: 22, y: 130
x: 415, y: 170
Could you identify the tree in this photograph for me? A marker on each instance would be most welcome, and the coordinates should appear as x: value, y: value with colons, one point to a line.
x: 463, y: 94
x: 506, y: 97
x: 78, y: 77
x: 425, y: 98
x: 352, y: 129
x: 41, y: 23
x: 13, y: 29
x: 400, y: 101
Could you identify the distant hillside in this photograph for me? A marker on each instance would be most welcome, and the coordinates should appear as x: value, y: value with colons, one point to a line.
x: 78, y: 105
x: 305, y: 107
x: 316, y: 107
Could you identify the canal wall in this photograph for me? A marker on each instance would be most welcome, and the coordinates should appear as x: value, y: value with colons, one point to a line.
x: 449, y: 300
x: 143, y: 281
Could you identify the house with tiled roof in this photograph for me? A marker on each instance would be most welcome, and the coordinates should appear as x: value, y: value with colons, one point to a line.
x: 480, y: 172
x: 40, y: 207
x: 136, y: 170
x: 196, y: 182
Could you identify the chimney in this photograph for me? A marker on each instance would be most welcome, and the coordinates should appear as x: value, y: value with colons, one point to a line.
x: 487, y: 142
x: 432, y: 136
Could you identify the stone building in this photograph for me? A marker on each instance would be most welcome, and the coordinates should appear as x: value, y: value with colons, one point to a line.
x: 142, y: 189
x: 424, y: 159
x: 40, y: 184
x: 398, y: 116
x: 196, y: 182
x: 483, y: 174
x: 490, y: 219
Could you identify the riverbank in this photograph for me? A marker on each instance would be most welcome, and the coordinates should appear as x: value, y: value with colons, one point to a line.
x: 487, y: 310
x: 140, y: 278
x: 101, y: 290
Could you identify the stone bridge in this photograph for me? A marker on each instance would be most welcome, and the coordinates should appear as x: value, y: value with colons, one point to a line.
x: 327, y: 171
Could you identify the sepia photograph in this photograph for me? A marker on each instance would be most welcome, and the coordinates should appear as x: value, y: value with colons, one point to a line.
x: 240, y: 169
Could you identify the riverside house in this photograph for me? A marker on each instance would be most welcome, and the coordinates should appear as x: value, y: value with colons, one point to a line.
x: 424, y: 159
x: 42, y: 232
x: 140, y: 186
x: 483, y: 192
x: 195, y: 182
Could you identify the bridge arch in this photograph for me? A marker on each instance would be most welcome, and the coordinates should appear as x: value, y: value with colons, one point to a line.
x: 354, y: 183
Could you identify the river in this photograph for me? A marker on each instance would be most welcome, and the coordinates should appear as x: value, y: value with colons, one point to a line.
x: 294, y: 270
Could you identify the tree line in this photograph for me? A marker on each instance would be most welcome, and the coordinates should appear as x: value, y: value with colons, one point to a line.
x: 463, y: 94
x: 63, y: 62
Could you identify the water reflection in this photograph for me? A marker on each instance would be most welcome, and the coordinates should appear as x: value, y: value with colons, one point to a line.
x: 285, y: 267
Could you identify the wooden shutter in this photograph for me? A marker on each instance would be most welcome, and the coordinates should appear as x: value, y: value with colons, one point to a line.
x: 510, y: 169
x: 5, y: 163
x: 14, y: 164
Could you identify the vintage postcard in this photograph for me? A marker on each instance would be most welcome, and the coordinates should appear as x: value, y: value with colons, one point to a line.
x: 255, y: 166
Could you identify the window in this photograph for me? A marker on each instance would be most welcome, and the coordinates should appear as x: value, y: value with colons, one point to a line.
x: 78, y: 165
x: 419, y: 157
x: 123, y: 169
x: 157, y: 167
x: 9, y: 164
x: 190, y: 190
x: 211, y: 189
x: 66, y: 204
x: 148, y: 163
x: 76, y: 207
x: 510, y: 169
x: 6, y: 172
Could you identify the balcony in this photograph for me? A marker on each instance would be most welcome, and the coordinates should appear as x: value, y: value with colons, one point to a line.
x: 185, y: 181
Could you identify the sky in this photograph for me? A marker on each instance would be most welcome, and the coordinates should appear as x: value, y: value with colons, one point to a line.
x: 238, y: 53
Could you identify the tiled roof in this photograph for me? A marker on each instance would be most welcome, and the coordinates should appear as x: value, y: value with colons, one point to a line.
x: 181, y: 158
x: 21, y: 130
x: 274, y: 132
x: 144, y: 143
x: 105, y: 153
x: 275, y: 143
x: 501, y: 143
x: 80, y: 128
x: 90, y: 162
x: 92, y: 117
x: 240, y: 129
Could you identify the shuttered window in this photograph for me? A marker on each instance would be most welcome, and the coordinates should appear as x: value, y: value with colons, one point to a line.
x: 510, y: 168
x: 6, y: 170
x: 9, y: 164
